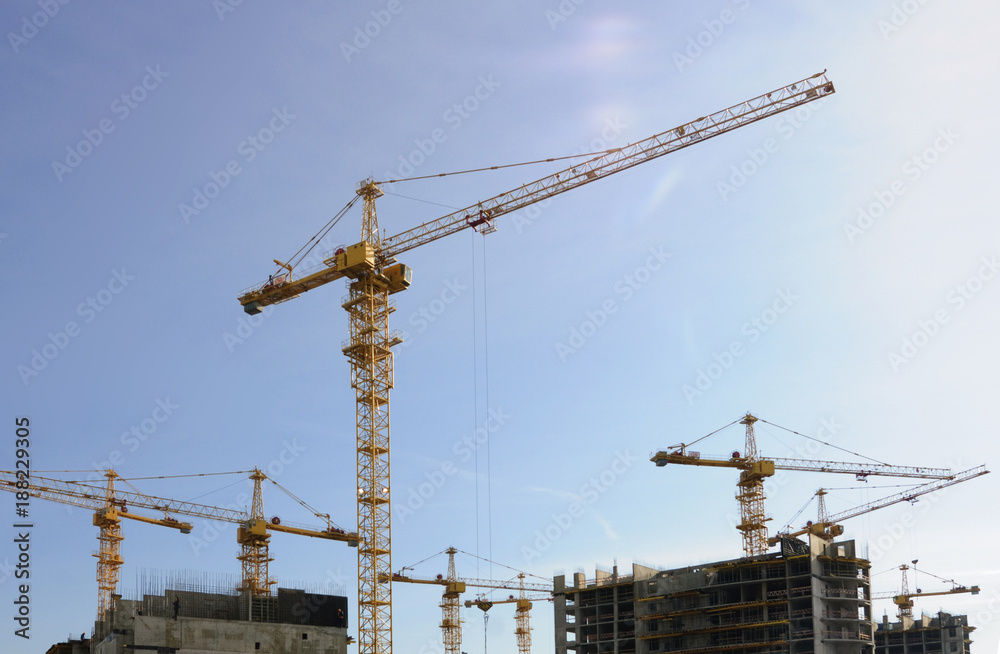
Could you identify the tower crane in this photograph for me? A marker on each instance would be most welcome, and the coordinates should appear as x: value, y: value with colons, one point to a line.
x: 454, y: 586
x: 522, y: 614
x: 754, y: 469
x: 373, y: 274
x: 253, y: 536
x: 109, y: 509
x: 904, y: 599
x: 827, y: 526
x: 112, y: 503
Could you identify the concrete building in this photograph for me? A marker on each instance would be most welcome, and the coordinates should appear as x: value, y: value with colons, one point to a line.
x: 291, y: 622
x: 71, y: 646
x: 940, y: 634
x: 809, y: 598
x: 598, y: 615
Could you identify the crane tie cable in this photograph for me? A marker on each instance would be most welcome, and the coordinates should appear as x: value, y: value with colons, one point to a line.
x: 321, y: 234
x: 797, y: 514
x: 824, y: 442
x: 422, y: 560
x: 523, y: 163
x: 869, y: 487
x: 715, y: 432
x: 204, y: 474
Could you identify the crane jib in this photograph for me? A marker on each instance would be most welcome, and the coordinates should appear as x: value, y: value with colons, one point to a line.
x: 750, y: 111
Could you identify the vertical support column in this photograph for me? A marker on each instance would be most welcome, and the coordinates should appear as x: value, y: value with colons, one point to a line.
x: 451, y: 626
x: 253, y: 539
x: 451, y: 620
x: 372, y: 378
x: 751, y: 497
x: 109, y: 558
x: 522, y: 625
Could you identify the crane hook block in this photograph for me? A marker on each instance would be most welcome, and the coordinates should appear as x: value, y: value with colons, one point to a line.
x: 482, y: 223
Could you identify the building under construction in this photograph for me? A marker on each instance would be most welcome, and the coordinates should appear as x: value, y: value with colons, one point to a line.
x: 939, y: 634
x: 809, y: 598
x: 203, y: 618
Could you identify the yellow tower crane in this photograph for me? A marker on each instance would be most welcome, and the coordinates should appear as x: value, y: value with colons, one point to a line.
x: 373, y: 274
x: 522, y: 614
x: 827, y: 526
x: 254, y: 536
x: 454, y: 586
x: 904, y: 599
x: 109, y: 508
x: 113, y: 503
x: 755, y: 469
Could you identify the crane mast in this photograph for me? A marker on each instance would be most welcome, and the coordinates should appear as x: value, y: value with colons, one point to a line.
x: 451, y: 620
x: 109, y: 560
x: 373, y: 275
x: 253, y: 538
x: 753, y: 520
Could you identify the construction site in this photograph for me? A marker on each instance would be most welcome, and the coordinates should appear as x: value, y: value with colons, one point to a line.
x: 812, y: 596
x: 691, y: 358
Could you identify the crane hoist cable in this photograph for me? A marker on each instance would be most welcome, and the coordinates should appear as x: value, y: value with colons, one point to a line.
x: 486, y: 640
x: 486, y: 358
x: 475, y: 390
x: 486, y: 378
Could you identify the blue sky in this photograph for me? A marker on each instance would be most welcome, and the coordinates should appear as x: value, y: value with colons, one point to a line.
x: 859, y: 232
